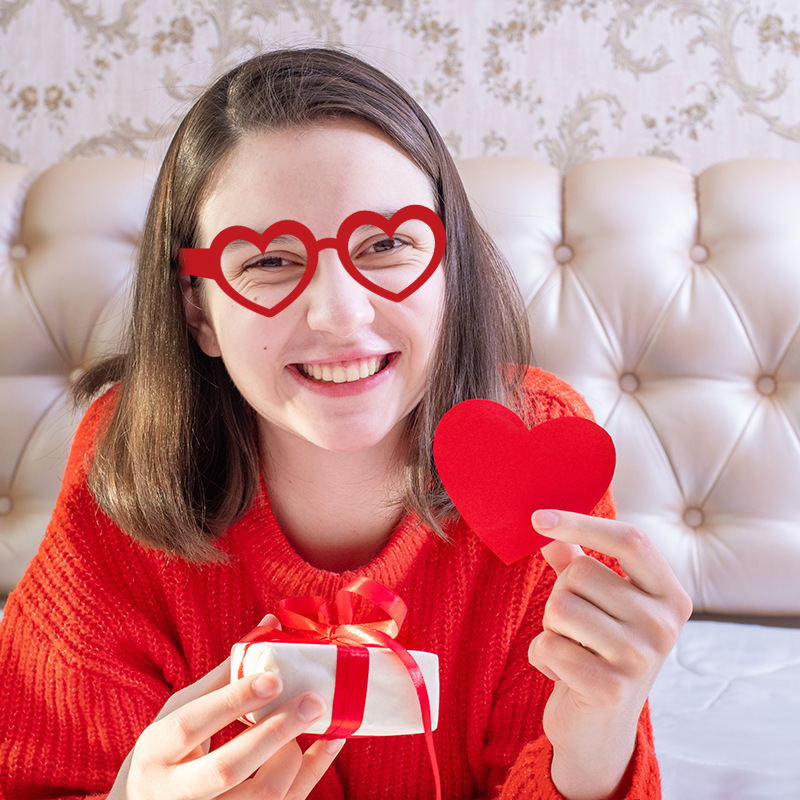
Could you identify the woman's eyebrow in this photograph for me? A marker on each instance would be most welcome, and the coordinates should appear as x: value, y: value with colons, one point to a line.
x: 385, y: 214
x: 238, y: 244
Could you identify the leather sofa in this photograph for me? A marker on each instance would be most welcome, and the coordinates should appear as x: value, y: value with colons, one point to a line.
x: 671, y: 301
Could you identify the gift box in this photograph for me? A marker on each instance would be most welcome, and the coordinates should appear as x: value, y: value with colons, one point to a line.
x: 373, y: 686
x: 391, y: 706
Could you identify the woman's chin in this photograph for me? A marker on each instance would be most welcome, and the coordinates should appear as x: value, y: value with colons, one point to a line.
x: 352, y: 442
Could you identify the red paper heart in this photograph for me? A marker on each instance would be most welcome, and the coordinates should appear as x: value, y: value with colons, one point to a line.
x: 497, y: 472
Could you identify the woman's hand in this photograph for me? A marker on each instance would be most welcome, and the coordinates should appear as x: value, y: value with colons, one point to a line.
x: 171, y: 758
x: 604, y: 641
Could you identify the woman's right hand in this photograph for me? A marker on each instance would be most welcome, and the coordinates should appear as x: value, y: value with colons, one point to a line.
x: 171, y: 758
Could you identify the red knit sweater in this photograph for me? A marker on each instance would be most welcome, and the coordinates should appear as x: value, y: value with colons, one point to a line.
x: 101, y: 631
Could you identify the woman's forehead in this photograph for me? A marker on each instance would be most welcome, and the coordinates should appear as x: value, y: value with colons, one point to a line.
x: 317, y: 175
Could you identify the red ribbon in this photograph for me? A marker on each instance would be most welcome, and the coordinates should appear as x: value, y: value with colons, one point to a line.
x: 308, y: 620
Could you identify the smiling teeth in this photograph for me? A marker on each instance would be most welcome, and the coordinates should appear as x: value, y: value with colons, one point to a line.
x: 344, y: 371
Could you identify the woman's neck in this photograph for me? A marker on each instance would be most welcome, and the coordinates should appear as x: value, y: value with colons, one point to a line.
x: 336, y: 509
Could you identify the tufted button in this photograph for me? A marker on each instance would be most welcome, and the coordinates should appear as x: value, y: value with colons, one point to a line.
x: 629, y: 383
x: 699, y: 253
x: 693, y: 517
x: 5, y: 505
x: 18, y: 252
x: 563, y: 254
x: 766, y: 385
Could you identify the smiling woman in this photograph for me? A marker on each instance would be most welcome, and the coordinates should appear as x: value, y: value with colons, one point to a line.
x: 313, y: 294
x: 238, y: 160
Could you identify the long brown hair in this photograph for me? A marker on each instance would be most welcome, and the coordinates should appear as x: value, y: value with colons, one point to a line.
x: 177, y: 462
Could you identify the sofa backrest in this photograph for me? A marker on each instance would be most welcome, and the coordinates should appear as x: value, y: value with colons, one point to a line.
x: 671, y: 302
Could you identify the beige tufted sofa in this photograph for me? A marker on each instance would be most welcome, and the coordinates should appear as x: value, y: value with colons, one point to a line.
x: 672, y: 302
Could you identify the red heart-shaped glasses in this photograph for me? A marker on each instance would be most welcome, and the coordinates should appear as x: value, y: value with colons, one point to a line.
x: 207, y: 262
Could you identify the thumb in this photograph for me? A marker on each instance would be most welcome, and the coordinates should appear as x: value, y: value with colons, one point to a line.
x: 559, y: 555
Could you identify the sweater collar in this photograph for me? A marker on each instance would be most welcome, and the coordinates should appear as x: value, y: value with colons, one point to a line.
x: 260, y: 540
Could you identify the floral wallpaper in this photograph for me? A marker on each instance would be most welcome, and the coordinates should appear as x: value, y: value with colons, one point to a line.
x: 697, y: 81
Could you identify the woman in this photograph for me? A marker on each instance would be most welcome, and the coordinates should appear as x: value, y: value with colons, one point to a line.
x: 242, y: 457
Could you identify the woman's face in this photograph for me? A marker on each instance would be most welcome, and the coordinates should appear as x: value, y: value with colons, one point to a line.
x: 340, y: 367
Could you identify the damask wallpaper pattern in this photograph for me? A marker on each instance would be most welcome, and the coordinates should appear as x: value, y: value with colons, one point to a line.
x: 698, y: 81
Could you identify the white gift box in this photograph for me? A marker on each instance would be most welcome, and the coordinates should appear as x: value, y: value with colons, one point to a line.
x: 392, y: 704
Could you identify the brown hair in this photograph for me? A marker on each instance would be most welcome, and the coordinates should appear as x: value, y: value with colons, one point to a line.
x: 178, y: 461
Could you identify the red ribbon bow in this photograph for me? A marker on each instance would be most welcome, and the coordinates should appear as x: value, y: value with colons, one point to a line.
x: 308, y: 620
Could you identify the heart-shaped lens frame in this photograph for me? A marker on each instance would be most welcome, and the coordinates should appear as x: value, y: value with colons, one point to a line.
x: 207, y: 262
x: 389, y: 226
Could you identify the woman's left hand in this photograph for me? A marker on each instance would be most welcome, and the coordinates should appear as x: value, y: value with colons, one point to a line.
x: 604, y: 641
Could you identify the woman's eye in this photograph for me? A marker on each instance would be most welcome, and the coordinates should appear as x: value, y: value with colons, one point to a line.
x: 385, y: 246
x: 270, y: 262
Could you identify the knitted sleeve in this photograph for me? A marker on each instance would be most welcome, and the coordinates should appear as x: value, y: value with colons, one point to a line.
x: 529, y: 777
x: 79, y: 669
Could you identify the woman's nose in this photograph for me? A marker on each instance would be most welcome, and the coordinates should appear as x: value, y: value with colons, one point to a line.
x: 337, y: 303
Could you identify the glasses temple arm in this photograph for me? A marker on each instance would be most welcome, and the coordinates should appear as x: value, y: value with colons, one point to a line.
x: 195, y: 261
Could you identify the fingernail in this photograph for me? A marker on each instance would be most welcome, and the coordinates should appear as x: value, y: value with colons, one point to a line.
x: 311, y: 707
x: 333, y: 746
x: 544, y: 520
x: 266, y: 685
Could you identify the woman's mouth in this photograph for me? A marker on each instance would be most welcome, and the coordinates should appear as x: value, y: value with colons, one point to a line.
x: 344, y: 371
